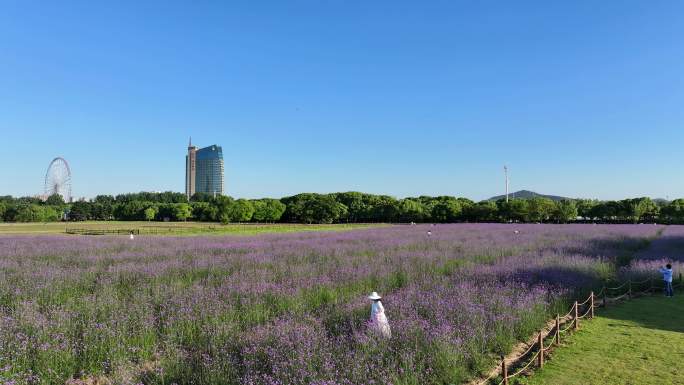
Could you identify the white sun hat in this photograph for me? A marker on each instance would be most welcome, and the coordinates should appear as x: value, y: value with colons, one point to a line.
x: 374, y: 295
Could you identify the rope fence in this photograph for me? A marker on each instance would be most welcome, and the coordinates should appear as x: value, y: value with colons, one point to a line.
x: 567, y: 328
x: 568, y: 314
x: 642, y: 282
x: 143, y: 230
x: 586, y: 301
x: 532, y: 360
x: 566, y: 323
x: 600, y: 293
x: 532, y: 346
x: 585, y: 314
x: 101, y: 231
x: 619, y: 287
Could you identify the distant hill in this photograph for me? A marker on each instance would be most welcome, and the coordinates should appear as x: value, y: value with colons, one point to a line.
x: 526, y: 194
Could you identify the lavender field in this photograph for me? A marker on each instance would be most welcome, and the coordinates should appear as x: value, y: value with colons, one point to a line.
x: 292, y: 308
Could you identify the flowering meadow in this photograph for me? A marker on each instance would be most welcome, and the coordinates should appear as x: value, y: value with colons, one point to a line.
x: 667, y: 248
x: 292, y: 308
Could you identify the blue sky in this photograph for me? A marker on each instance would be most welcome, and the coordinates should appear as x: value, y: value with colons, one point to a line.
x: 582, y: 98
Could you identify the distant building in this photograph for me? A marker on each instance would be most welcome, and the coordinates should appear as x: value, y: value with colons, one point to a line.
x: 190, y: 169
x: 204, y: 170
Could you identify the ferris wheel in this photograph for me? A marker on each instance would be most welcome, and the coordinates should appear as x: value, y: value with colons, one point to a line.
x: 58, y: 179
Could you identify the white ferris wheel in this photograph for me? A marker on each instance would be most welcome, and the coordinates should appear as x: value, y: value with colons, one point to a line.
x: 58, y: 179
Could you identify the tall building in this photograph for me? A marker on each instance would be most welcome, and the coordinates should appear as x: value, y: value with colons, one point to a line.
x: 190, y: 169
x: 204, y: 170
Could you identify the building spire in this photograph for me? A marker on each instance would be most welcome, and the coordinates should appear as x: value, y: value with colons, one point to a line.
x: 190, y: 144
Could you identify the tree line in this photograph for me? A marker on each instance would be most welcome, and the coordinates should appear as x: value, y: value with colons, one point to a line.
x: 345, y: 207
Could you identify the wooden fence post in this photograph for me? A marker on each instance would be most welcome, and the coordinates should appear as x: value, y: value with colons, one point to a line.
x: 576, y: 323
x: 591, y: 303
x: 557, y: 329
x: 629, y: 289
x: 540, y: 341
x: 504, y: 371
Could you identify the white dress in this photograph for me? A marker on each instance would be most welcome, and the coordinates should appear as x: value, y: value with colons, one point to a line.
x: 379, y: 320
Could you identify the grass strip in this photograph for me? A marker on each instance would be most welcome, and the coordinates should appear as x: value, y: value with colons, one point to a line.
x: 637, y: 342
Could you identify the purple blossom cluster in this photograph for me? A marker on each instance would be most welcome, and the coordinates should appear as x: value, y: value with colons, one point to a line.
x: 290, y: 308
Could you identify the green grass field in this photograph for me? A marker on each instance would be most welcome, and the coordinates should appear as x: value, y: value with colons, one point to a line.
x: 173, y: 228
x: 640, y: 342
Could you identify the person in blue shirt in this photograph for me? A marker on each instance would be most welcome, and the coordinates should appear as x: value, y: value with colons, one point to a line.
x: 667, y: 277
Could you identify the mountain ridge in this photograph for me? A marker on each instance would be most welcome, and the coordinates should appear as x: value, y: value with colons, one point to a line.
x: 527, y: 194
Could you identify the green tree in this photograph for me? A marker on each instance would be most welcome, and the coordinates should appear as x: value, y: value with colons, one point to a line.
x: 267, y: 210
x: 673, y: 212
x: 585, y: 208
x: 411, y: 210
x: 606, y: 211
x: 104, y: 199
x: 49, y: 214
x: 383, y: 208
x: 103, y: 208
x: 55, y: 200
x: 204, y: 211
x: 26, y: 213
x: 485, y: 211
x: 150, y: 213
x: 639, y: 209
x: 223, y: 208
x: 358, y: 208
x: 539, y: 209
x: 131, y: 210
x: 80, y: 211
x: 201, y: 197
x: 29, y: 200
x: 101, y: 211
x: 241, y: 210
x: 466, y: 204
x: 10, y: 212
x: 515, y: 210
x: 229, y: 210
x: 565, y: 211
x: 181, y: 211
x: 170, y: 197
x: 296, y: 206
x: 313, y: 208
x: 275, y: 210
x: 446, y: 209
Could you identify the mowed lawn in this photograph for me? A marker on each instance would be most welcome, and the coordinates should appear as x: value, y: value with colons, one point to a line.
x: 174, y: 228
x: 633, y: 343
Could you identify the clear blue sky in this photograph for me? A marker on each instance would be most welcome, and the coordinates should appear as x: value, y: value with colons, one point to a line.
x: 579, y: 98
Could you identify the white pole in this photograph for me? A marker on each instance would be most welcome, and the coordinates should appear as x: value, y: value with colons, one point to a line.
x: 506, y: 176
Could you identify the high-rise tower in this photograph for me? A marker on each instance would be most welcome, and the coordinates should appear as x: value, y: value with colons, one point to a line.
x: 204, y: 170
x: 190, y: 170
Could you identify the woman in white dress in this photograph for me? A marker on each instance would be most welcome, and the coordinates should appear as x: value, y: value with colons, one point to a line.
x: 378, y: 319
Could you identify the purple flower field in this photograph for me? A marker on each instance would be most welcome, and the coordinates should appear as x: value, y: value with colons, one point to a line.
x: 292, y: 308
x: 667, y: 248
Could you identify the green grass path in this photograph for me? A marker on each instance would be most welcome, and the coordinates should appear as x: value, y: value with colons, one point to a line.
x: 633, y: 343
x: 176, y: 228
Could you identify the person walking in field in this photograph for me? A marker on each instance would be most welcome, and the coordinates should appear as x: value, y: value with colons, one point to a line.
x: 667, y: 277
x: 378, y: 319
